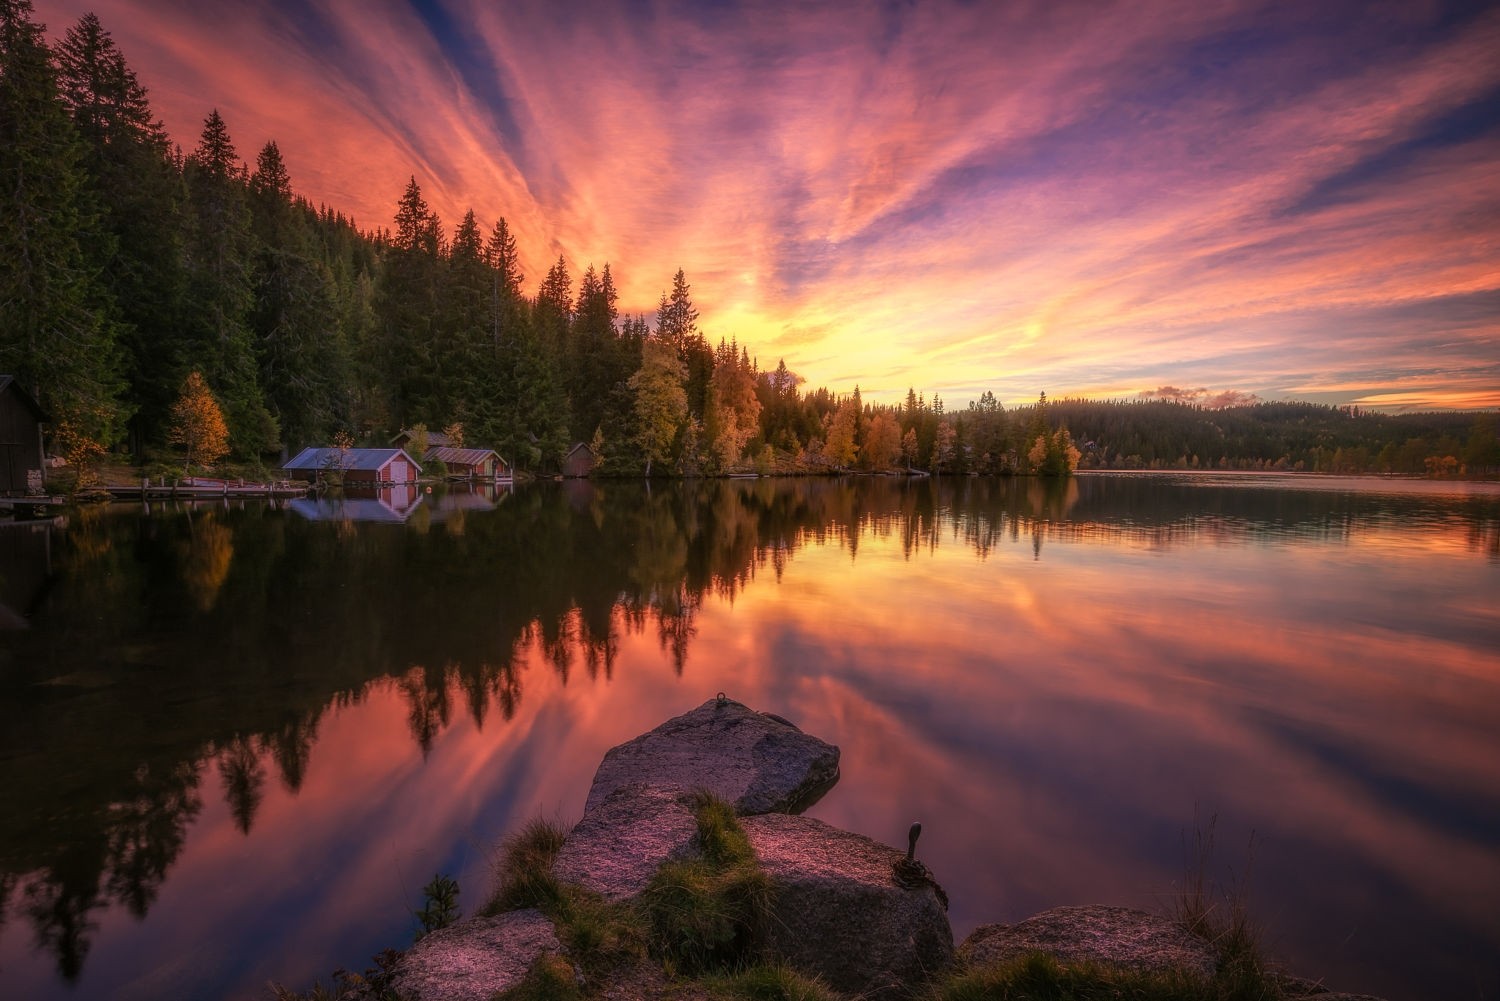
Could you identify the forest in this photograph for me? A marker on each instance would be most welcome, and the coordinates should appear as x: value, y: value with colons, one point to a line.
x: 135, y: 266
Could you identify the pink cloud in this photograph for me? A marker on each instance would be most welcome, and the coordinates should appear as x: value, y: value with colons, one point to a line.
x: 955, y: 197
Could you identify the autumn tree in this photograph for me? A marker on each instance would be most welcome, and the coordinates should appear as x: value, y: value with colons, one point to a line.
x: 944, y: 447
x: 660, y: 401
x: 882, y: 448
x: 198, y: 424
x: 839, y: 449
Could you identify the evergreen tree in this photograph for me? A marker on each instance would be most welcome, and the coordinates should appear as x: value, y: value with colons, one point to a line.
x: 598, y: 360
x: 56, y: 335
x: 466, y: 366
x: 554, y: 309
x: 409, y: 307
x: 220, y: 291
x: 136, y: 245
x: 532, y: 415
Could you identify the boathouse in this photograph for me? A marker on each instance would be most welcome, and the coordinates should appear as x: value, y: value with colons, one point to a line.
x: 472, y: 463
x: 580, y: 461
x: 21, y: 421
x: 362, y: 466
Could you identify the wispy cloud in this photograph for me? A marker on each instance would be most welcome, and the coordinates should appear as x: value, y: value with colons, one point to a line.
x: 1014, y: 196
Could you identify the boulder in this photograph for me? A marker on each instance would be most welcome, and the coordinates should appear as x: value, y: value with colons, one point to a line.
x: 620, y: 843
x: 1119, y: 936
x: 758, y: 762
x: 839, y: 914
x: 472, y: 960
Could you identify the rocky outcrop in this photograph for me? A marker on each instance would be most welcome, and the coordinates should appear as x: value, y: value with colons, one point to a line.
x: 474, y: 959
x: 758, y: 762
x: 1114, y: 935
x: 620, y: 843
x: 839, y: 914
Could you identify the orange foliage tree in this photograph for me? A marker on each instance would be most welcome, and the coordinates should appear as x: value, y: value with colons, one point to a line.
x: 198, y: 424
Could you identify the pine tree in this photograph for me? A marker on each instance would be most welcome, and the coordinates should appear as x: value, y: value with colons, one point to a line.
x: 56, y: 335
x: 677, y: 323
x: 221, y: 292
x: 136, y: 246
x: 409, y: 305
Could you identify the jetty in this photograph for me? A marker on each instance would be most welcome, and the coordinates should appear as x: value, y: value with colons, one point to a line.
x: 199, y: 487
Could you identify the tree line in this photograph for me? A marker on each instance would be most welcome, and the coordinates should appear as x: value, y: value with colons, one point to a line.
x: 138, y: 266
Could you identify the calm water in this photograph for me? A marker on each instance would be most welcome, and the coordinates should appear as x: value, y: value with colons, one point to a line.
x: 235, y: 742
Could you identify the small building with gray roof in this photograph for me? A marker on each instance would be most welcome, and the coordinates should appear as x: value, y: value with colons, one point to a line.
x: 364, y: 466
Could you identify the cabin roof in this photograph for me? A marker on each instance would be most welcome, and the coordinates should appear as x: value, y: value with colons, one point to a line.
x: 435, y: 439
x: 583, y: 445
x: 464, y: 456
x: 8, y: 382
x: 365, y: 459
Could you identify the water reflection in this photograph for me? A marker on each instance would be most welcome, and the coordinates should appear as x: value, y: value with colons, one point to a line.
x: 1052, y: 672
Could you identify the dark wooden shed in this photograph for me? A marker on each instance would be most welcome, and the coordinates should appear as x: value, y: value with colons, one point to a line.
x: 580, y: 461
x: 21, y: 421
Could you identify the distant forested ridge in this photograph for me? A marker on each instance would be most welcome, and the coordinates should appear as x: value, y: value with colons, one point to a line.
x: 131, y: 265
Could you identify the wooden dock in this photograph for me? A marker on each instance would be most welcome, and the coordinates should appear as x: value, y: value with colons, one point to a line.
x: 208, y: 491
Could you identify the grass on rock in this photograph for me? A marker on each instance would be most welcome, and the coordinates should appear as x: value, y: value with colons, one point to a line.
x: 710, y: 913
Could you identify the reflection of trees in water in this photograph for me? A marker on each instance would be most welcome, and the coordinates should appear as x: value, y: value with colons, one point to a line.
x: 171, y: 661
x: 206, y: 556
x: 132, y: 844
x: 244, y: 781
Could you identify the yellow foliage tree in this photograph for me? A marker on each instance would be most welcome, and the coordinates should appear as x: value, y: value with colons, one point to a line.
x: 198, y: 424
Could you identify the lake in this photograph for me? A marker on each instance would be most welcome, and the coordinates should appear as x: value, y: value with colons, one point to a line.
x: 236, y: 740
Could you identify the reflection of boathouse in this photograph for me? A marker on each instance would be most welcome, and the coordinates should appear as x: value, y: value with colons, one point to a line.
x: 25, y: 570
x: 392, y: 504
x: 365, y: 466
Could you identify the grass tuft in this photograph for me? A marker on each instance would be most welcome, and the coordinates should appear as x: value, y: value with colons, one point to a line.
x: 710, y: 913
x: 1219, y: 914
x: 768, y: 982
x: 551, y: 978
x: 1039, y: 977
x: 523, y: 878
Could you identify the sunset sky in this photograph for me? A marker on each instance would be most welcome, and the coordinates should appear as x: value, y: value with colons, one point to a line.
x: 1286, y: 199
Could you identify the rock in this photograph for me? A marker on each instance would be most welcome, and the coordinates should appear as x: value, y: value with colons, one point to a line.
x: 838, y: 913
x: 619, y: 844
x: 473, y: 959
x: 1117, y: 935
x: 758, y: 763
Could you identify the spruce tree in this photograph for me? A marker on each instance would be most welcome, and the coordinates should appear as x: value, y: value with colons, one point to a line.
x: 220, y: 292
x: 136, y: 244
x: 409, y: 303
x: 56, y: 335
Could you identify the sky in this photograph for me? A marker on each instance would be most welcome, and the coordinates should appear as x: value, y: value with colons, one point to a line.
x: 1216, y: 198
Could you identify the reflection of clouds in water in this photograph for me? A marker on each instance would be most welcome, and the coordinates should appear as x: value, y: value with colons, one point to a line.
x: 1313, y: 665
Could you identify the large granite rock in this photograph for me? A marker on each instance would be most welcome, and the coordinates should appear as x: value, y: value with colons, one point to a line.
x: 839, y: 914
x: 472, y: 960
x: 758, y: 762
x: 620, y: 843
x: 1116, y: 935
